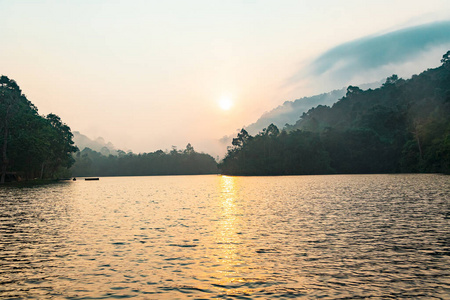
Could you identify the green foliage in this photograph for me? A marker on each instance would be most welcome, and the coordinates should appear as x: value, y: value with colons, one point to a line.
x: 175, y: 162
x: 272, y: 152
x: 446, y: 59
x: 32, y: 145
x: 403, y: 126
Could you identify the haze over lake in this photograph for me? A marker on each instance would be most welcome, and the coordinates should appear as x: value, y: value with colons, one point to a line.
x: 201, y: 70
x: 168, y: 237
x: 214, y: 137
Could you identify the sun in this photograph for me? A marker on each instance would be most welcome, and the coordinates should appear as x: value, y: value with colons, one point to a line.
x: 225, y: 103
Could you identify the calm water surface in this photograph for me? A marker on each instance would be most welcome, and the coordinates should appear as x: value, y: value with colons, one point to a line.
x: 329, y: 237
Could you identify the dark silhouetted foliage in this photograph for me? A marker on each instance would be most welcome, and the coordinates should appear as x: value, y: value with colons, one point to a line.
x: 403, y: 126
x: 32, y: 145
x: 175, y: 162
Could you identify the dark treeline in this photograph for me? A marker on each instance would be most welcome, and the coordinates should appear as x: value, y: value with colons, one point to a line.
x: 32, y: 146
x: 175, y: 162
x: 403, y: 126
x: 35, y: 146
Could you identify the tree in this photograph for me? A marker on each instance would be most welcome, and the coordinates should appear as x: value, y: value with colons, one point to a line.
x: 391, y: 80
x: 446, y: 59
x: 353, y: 90
x: 272, y: 130
x: 242, y: 138
x: 61, y: 145
x: 189, y: 149
x: 12, y: 104
x: 31, y: 144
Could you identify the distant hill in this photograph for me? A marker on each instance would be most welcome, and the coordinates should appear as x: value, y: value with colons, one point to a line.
x: 290, y: 111
x: 402, y: 126
x: 99, y: 144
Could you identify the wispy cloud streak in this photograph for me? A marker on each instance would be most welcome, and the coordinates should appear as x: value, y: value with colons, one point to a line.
x: 374, y: 55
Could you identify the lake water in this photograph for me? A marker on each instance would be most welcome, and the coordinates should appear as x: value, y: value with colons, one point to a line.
x: 328, y: 237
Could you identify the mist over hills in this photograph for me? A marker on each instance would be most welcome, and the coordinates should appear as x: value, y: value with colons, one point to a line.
x: 287, y: 113
x: 404, y: 51
x: 99, y: 144
x: 290, y: 111
x: 402, y: 126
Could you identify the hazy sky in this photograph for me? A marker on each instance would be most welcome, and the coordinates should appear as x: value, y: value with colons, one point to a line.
x: 146, y: 75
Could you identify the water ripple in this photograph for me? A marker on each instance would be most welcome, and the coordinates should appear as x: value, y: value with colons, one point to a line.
x: 203, y: 237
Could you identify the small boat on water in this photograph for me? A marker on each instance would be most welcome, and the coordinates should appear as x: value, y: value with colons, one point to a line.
x: 92, y: 178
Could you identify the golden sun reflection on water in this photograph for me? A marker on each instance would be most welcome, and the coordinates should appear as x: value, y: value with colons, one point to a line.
x: 226, y: 234
x: 231, y: 251
x: 178, y: 237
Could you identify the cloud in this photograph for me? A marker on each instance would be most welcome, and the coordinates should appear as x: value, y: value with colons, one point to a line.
x: 376, y: 56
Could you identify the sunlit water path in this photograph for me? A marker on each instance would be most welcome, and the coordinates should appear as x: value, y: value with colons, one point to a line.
x: 329, y: 237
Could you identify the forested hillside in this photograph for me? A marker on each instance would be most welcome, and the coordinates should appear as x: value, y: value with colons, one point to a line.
x: 32, y: 146
x: 175, y: 162
x: 403, y: 126
x: 98, y: 144
x: 289, y: 111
